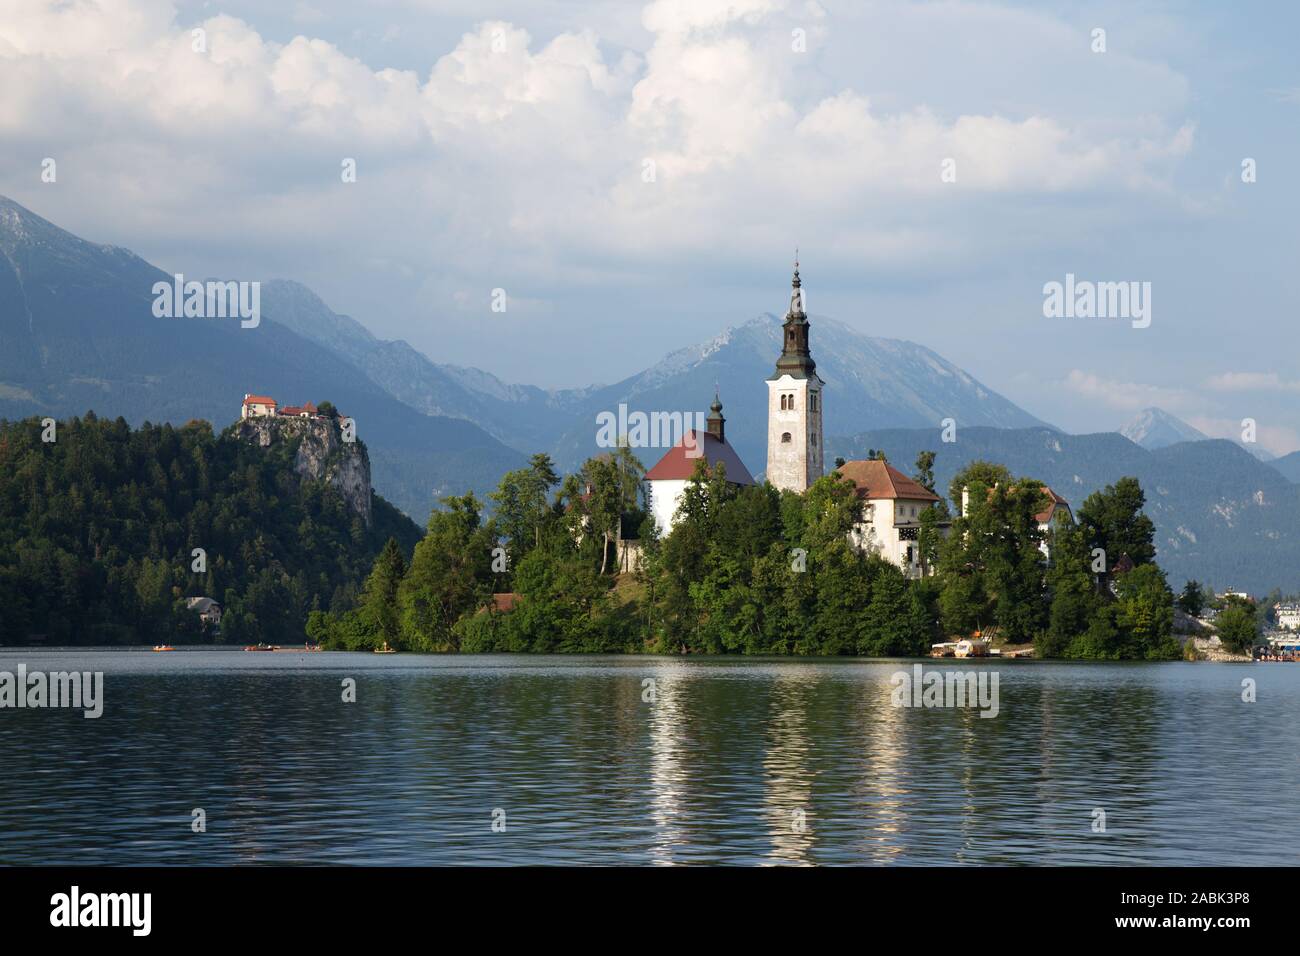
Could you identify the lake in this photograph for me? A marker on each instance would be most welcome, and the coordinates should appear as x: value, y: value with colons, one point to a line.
x: 562, y: 760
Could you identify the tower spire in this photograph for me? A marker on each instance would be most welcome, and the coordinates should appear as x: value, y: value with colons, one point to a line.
x: 796, y: 359
x: 716, y: 423
x: 796, y: 288
x: 794, y: 402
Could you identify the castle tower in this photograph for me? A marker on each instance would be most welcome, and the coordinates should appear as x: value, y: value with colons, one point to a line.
x: 794, y: 404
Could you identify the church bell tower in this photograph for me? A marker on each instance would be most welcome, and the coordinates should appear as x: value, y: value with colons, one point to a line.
x: 794, y: 404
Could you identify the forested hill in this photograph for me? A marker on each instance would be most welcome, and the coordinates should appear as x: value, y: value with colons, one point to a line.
x: 98, y: 529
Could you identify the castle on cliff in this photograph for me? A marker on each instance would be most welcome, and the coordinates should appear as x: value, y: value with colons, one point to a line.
x: 262, y: 406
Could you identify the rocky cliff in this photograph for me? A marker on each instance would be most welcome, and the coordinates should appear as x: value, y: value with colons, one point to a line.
x: 319, y: 454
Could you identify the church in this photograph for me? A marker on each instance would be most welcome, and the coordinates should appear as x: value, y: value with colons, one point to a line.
x: 892, y: 502
x: 794, y: 428
x: 794, y: 404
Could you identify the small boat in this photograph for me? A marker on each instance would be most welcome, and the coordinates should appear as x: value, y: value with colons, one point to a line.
x: 163, y: 647
x: 385, y: 649
x: 261, y: 647
x: 971, y: 648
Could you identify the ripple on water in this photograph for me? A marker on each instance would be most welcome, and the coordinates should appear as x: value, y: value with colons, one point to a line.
x: 736, y: 761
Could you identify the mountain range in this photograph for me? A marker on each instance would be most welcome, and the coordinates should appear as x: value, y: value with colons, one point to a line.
x: 1154, y: 428
x: 77, y: 332
x: 870, y: 383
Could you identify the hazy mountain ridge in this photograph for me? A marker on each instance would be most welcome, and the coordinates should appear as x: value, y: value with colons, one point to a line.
x: 77, y: 332
x: 1221, y: 515
x: 524, y: 417
x: 871, y: 382
x: 1288, y: 465
x: 1154, y: 428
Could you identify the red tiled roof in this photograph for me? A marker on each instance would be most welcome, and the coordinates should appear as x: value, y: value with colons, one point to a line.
x: 258, y: 400
x: 308, y: 409
x: 1055, y: 501
x: 500, y: 602
x: 878, y: 479
x: 678, y: 463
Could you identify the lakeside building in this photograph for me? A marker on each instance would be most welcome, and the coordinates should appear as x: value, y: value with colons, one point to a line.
x: 666, y: 481
x: 794, y: 404
x: 892, y: 505
x: 794, y: 427
x: 208, y: 610
x: 1288, y: 616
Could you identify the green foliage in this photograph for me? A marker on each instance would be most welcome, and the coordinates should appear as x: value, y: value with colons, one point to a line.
x: 754, y: 571
x: 521, y: 503
x: 1075, y: 600
x: 978, y: 478
x: 991, y: 565
x: 1192, y: 599
x: 1136, y: 625
x: 1237, y: 625
x: 1112, y: 519
x: 924, y: 475
x: 98, y: 529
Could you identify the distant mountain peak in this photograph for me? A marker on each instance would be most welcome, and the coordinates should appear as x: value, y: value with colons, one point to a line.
x: 20, y: 229
x: 1156, y: 428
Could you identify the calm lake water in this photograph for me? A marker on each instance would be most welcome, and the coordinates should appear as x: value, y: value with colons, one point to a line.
x: 736, y: 761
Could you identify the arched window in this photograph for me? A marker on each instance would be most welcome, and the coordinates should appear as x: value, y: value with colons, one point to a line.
x: 785, y: 438
x: 812, y: 401
x: 791, y: 403
x: 782, y: 403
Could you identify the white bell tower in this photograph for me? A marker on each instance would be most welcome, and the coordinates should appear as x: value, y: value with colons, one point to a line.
x: 794, y: 404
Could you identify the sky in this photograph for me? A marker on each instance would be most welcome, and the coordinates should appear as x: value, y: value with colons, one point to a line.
x: 635, y: 177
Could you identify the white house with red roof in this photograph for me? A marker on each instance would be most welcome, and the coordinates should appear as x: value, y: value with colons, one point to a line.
x: 892, y: 504
x: 299, y: 411
x: 263, y: 406
x: 666, y: 481
x: 258, y: 406
x: 1056, y: 506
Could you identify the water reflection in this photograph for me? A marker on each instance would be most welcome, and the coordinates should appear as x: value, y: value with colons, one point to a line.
x: 787, y: 766
x: 734, y: 761
x: 666, y: 771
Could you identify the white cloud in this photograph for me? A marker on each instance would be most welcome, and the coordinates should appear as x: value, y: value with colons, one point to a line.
x: 1124, y: 396
x: 549, y: 138
x: 1252, y: 382
x: 1277, y: 438
x: 514, y: 157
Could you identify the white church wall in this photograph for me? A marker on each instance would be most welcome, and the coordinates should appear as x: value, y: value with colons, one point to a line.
x: 665, y: 495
